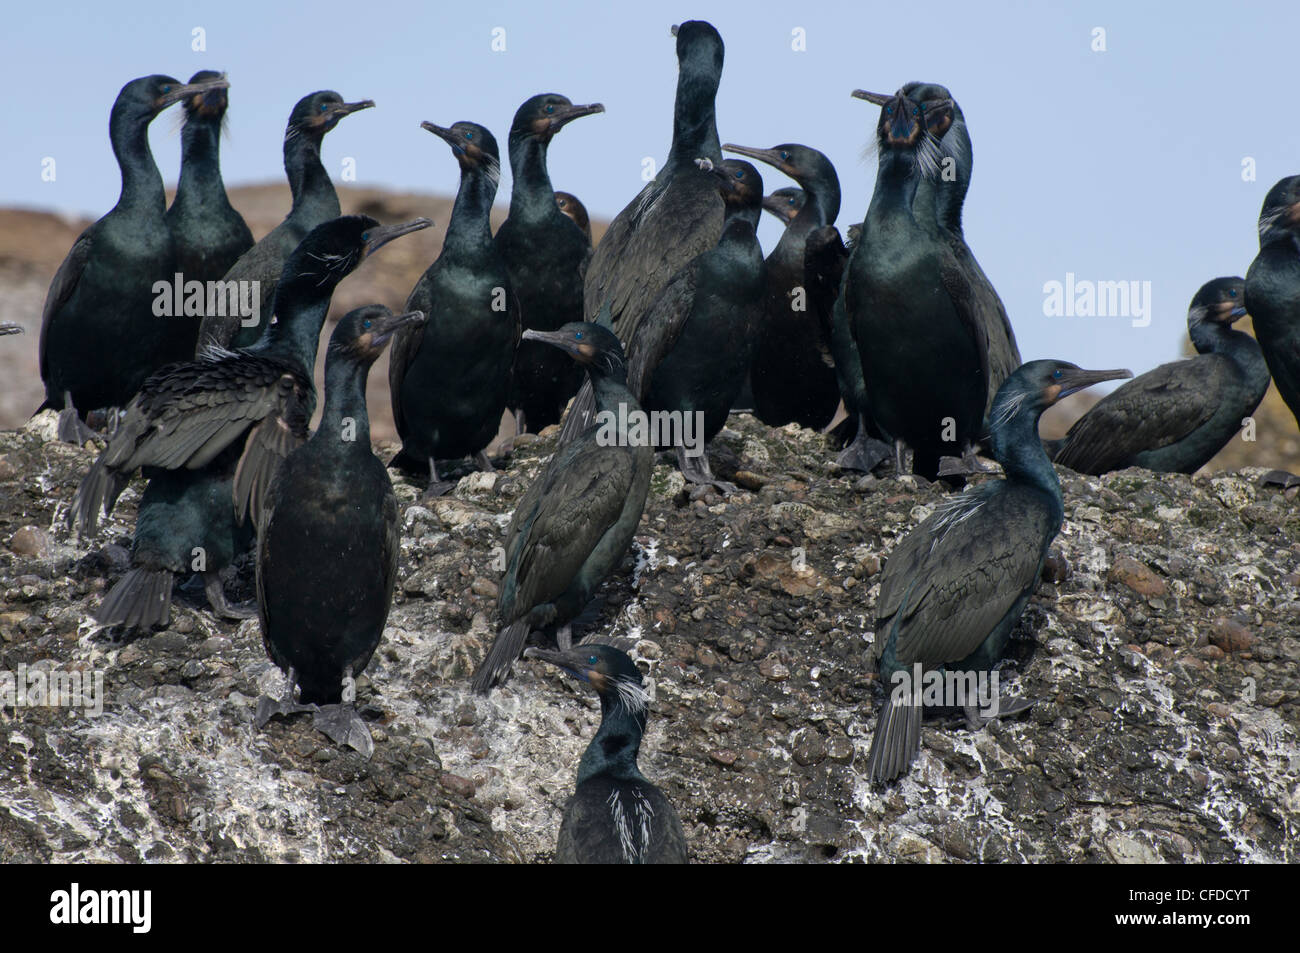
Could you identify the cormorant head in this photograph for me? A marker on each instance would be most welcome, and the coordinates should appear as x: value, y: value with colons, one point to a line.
x: 318, y: 113
x: 785, y: 203
x: 610, y: 671
x: 591, y: 345
x: 930, y: 96
x: 142, y: 99
x: 473, y: 146
x: 207, y: 105
x: 333, y: 249
x: 699, y: 49
x: 543, y: 116
x: 1221, y: 301
x: 1281, y: 212
x: 805, y: 165
x: 364, y: 332
x: 1037, y: 385
x: 906, y: 125
x: 570, y: 206
x: 739, y: 183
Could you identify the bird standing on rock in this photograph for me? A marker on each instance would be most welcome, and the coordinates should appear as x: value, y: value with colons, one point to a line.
x: 100, y: 337
x: 616, y: 816
x: 577, y: 519
x: 328, y: 542
x: 953, y: 590
x: 1273, y: 288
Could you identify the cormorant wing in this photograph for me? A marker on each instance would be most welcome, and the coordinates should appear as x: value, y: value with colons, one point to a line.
x: 1003, y: 353
x: 824, y: 261
x: 1154, y: 410
x: 578, y: 499
x: 958, y: 574
x: 683, y: 221
x: 406, y: 344
x: 659, y: 328
x: 62, y: 285
x: 961, y: 291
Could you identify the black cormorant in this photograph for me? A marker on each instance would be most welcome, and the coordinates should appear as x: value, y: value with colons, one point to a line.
x: 952, y: 591
x: 1175, y: 418
x: 1273, y: 288
x: 572, y: 206
x: 793, y: 372
x: 328, y: 542
x: 785, y: 203
x: 546, y: 254
x: 575, y: 522
x: 100, y: 337
x: 449, y: 378
x: 616, y: 816
x: 314, y: 202
x: 211, y: 432
x: 208, y: 233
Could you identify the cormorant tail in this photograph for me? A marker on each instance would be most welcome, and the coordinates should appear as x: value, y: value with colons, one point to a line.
x: 896, y: 743
x: 99, y: 489
x: 141, y: 599
x: 581, y: 413
x: 508, y: 646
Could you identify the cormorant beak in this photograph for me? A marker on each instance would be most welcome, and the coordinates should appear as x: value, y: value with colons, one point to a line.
x: 1076, y: 379
x: 673, y: 29
x: 384, y: 328
x: 780, y: 207
x: 461, y: 147
x: 339, y: 110
x: 564, y: 341
x: 572, y: 661
x: 190, y: 89
x: 378, y: 237
x: 771, y: 156
x: 564, y: 115
x: 880, y: 99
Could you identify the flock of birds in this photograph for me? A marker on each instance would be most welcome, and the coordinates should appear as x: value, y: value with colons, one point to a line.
x: 676, y: 310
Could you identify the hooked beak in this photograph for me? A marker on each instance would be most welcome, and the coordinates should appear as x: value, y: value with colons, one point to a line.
x: 389, y: 325
x: 191, y: 89
x: 880, y: 99
x: 771, y: 156
x: 381, y: 236
x: 570, y: 661
x: 339, y: 110
x: 1076, y: 379
x: 554, y: 338
x: 564, y: 115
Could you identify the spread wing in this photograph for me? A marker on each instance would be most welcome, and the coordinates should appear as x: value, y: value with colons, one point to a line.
x: 633, y: 263
x: 658, y: 330
x: 1149, y: 412
x: 957, y: 575
x: 62, y: 285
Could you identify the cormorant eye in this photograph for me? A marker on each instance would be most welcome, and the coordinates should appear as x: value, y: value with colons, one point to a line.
x: 365, y: 236
x: 916, y: 112
x: 792, y: 201
x: 324, y: 107
x: 166, y: 89
x: 785, y: 157
x: 365, y: 323
x: 889, y: 110
x: 592, y: 660
x: 1233, y: 293
x: 469, y: 135
x: 740, y: 173
x: 577, y: 336
x: 550, y: 109
x: 1056, y: 375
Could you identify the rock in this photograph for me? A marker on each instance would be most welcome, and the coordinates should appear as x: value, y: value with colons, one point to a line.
x: 31, y: 541
x: 1231, y: 636
x: 1129, y: 572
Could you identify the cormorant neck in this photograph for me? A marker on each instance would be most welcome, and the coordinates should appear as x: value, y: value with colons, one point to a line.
x: 821, y: 204
x: 345, y: 418
x: 313, y: 192
x: 295, y: 333
x: 1016, y: 445
x: 749, y: 214
x: 695, y: 125
x: 201, y: 159
x: 610, y: 390
x: 897, y: 179
x: 470, y: 229
x: 614, y: 749
x: 531, y: 192
x: 142, y: 185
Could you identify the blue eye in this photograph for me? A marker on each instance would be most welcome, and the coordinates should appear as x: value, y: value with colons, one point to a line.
x: 365, y: 236
x: 792, y: 201
x: 365, y: 323
x: 916, y: 112
x: 166, y: 89
x: 550, y: 109
x: 592, y: 660
x: 1056, y: 375
x: 740, y: 174
x: 469, y: 135
x: 785, y: 157
x: 1233, y: 293
x: 324, y: 107
x: 578, y: 336
x: 889, y: 110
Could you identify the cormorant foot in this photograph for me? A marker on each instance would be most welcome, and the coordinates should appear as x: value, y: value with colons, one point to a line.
x: 216, y: 594
x: 1279, y: 478
x: 696, y: 470
x: 344, y: 726
x: 440, y: 488
x: 483, y: 463
x: 864, y: 453
x: 71, y: 429
x: 965, y: 465
x: 1008, y: 706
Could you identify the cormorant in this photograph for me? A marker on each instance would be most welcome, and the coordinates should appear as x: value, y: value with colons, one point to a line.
x: 952, y: 591
x: 208, y: 233
x: 570, y: 205
x: 1175, y: 418
x: 328, y: 542
x: 100, y: 337
x: 923, y: 348
x: 1273, y: 288
x: 314, y: 202
x: 616, y: 816
x: 449, y: 378
x: 793, y: 373
x: 546, y: 255
x: 785, y: 203
x: 211, y: 432
x: 575, y: 522
x: 678, y: 214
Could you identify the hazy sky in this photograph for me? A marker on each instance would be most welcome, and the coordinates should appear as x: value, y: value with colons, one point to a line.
x: 1122, y: 165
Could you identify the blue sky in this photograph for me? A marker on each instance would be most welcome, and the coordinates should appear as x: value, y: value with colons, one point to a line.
x: 1116, y: 165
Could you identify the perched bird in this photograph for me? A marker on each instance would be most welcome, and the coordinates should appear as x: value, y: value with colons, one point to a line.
x: 1273, y: 288
x: 688, y: 354
x: 952, y: 591
x: 314, y: 202
x: 449, y: 378
x: 211, y: 432
x: 1175, y: 418
x: 923, y: 349
x: 575, y: 522
x: 616, y: 816
x: 678, y: 214
x: 208, y: 233
x: 570, y: 205
x: 328, y: 543
x: 785, y: 203
x: 100, y: 337
x: 546, y: 255
x: 793, y: 373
